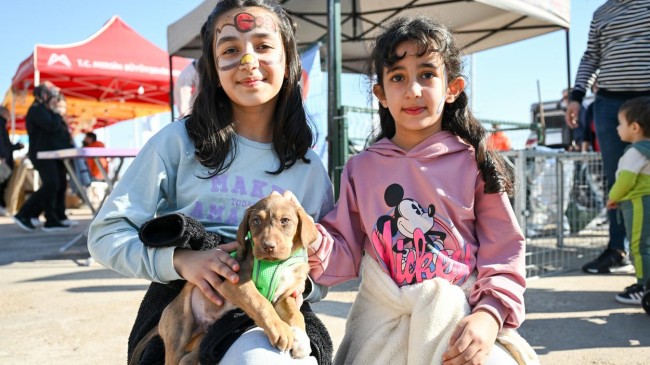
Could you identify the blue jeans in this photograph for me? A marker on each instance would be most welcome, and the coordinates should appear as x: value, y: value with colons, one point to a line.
x: 611, y: 148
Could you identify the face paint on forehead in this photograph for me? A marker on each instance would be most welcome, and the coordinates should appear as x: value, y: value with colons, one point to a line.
x: 245, y: 22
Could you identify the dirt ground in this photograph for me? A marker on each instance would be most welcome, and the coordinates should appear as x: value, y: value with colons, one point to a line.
x: 54, y: 311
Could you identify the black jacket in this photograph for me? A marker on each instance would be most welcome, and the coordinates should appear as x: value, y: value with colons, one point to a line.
x: 46, y: 129
x: 6, y: 147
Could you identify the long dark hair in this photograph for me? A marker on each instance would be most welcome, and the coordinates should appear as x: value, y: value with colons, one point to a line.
x: 210, y: 126
x: 430, y: 36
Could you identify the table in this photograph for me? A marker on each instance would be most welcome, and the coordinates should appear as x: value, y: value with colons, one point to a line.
x: 68, y: 154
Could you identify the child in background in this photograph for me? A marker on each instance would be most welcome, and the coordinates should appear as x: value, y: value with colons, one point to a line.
x: 427, y: 203
x: 247, y: 136
x: 90, y: 140
x: 498, y: 140
x: 631, y: 191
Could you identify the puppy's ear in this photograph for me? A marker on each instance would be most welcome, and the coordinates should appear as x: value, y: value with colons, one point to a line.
x: 242, y: 231
x: 306, y: 228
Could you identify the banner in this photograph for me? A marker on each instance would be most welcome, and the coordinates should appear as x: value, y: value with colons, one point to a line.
x: 315, y: 98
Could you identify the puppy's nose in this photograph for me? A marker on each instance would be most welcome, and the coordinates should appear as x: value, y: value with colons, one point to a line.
x: 268, y: 246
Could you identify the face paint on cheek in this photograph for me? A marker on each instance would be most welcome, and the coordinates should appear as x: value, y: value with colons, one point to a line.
x: 272, y: 58
x: 226, y: 64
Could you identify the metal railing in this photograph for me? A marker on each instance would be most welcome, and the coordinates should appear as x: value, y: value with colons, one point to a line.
x: 559, y: 203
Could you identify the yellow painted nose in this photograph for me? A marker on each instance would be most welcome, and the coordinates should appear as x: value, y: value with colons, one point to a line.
x: 247, y: 58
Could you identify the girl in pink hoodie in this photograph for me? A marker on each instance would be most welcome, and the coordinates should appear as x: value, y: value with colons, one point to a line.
x: 426, y: 204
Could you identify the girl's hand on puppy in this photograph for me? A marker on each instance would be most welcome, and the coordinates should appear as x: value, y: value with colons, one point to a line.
x: 472, y: 340
x: 207, y: 269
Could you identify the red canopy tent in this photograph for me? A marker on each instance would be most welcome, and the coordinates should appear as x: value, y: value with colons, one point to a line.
x: 114, y: 65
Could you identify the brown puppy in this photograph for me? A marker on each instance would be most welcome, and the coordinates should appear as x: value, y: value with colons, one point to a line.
x: 278, y: 229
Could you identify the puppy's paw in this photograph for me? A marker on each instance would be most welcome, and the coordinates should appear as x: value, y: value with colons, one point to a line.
x: 280, y: 335
x: 301, y: 347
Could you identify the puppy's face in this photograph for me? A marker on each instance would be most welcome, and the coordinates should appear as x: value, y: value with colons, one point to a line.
x: 277, y: 227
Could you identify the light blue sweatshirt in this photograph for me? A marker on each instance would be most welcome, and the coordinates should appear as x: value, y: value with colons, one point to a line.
x: 165, y: 177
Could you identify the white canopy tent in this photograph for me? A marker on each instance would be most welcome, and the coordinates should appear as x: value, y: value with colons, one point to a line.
x: 183, y: 36
x: 479, y: 24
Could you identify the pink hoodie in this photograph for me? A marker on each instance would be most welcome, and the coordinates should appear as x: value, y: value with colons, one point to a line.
x: 423, y: 214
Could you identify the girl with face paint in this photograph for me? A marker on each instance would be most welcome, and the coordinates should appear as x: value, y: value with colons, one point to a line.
x: 426, y: 209
x: 247, y: 136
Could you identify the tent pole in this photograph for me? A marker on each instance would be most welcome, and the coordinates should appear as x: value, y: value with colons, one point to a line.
x: 335, y: 137
x: 568, y: 73
x: 171, y: 87
x: 568, y: 59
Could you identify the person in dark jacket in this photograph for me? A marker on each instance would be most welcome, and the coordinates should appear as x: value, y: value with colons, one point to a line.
x: 47, y: 131
x: 7, y: 149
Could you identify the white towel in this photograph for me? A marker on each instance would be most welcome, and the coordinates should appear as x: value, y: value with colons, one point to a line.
x: 410, y: 325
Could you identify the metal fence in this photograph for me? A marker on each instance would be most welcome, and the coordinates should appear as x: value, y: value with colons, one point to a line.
x: 559, y: 203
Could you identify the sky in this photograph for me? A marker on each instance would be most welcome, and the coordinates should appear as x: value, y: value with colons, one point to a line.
x: 504, y: 80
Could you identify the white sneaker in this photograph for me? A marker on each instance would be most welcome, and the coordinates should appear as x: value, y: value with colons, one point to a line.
x: 70, y: 223
x: 3, y: 212
x: 633, y: 294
